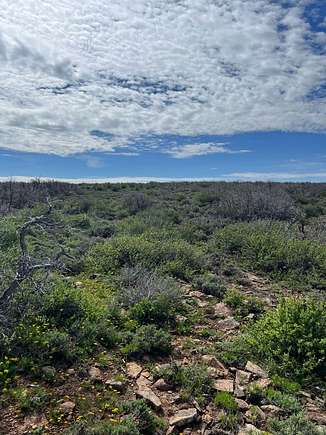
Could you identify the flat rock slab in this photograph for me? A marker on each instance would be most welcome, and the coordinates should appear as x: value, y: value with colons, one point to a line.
x: 197, y: 294
x: 228, y: 324
x: 184, y: 417
x: 222, y: 310
x: 95, y: 374
x: 255, y: 369
x: 133, y: 370
x: 242, y: 378
x: 150, y: 397
x: 250, y: 429
x: 224, y: 385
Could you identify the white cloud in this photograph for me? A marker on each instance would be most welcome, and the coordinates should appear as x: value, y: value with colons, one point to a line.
x: 200, y: 149
x: 277, y: 176
x: 137, y: 68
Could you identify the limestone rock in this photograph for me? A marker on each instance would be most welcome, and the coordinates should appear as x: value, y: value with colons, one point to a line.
x: 197, y: 295
x: 161, y: 385
x: 228, y: 324
x: 150, y: 397
x: 263, y: 383
x: 271, y: 410
x: 213, y: 362
x: 67, y: 407
x: 250, y: 429
x: 224, y: 385
x: 134, y: 370
x: 242, y: 405
x: 242, y: 378
x: 256, y: 370
x: 184, y: 417
x: 143, y: 382
x: 316, y: 414
x: 95, y: 374
x: 222, y: 310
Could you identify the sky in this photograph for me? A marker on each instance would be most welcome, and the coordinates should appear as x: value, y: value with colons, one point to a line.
x: 163, y: 89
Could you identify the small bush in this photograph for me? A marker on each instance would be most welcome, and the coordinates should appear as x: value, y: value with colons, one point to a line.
x: 226, y: 401
x: 292, y: 338
x: 148, y: 340
x: 139, y: 283
x: 210, y: 284
x: 272, y: 248
x: 33, y: 400
x: 144, y: 419
x: 243, y: 306
x: 171, y: 257
x: 286, y: 401
x: 126, y: 427
x: 296, y: 424
x: 193, y: 380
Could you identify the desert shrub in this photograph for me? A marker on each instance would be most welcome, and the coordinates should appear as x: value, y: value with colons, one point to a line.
x: 126, y: 427
x: 250, y: 201
x: 145, y: 421
x: 229, y: 421
x: 174, y: 257
x: 270, y: 249
x: 243, y: 306
x: 225, y: 400
x: 210, y: 284
x: 295, y: 424
x: 8, y: 235
x: 31, y: 400
x: 286, y: 401
x: 158, y: 311
x: 89, y: 334
x: 147, y: 340
x: 138, y: 283
x: 8, y: 368
x: 37, y: 339
x: 102, y: 230
x: 81, y: 221
x: 292, y: 338
x: 136, y: 201
x: 194, y: 380
x: 137, y: 419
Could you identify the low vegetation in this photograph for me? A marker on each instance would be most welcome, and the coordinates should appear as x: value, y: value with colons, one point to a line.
x: 189, y: 281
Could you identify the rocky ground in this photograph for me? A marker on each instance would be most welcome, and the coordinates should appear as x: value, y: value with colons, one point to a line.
x: 100, y: 382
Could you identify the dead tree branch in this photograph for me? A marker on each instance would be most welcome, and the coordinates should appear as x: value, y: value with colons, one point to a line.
x: 26, y: 265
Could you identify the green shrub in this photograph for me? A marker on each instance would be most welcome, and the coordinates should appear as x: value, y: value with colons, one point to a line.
x: 210, y: 284
x: 126, y: 427
x: 194, y: 380
x: 148, y: 340
x: 144, y: 419
x: 31, y: 400
x: 44, y: 343
x: 225, y: 400
x: 273, y: 249
x: 8, y: 368
x: 243, y: 306
x: 229, y: 421
x: 152, y: 298
x: 174, y: 257
x: 287, y: 402
x: 292, y: 338
x: 296, y: 424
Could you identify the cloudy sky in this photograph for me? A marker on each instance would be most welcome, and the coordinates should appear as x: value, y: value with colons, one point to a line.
x: 225, y: 89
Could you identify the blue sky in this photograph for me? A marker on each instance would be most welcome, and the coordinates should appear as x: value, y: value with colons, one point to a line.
x: 271, y: 156
x: 234, y: 89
